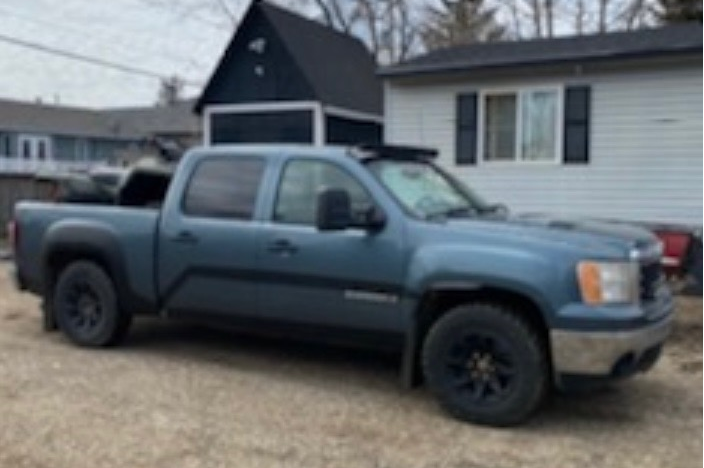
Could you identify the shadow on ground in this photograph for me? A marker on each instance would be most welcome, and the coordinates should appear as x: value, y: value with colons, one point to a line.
x: 624, y: 405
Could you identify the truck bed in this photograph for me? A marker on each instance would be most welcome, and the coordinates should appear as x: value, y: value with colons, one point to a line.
x: 130, y: 231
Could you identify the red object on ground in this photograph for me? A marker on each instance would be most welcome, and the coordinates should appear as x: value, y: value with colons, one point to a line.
x: 675, y: 245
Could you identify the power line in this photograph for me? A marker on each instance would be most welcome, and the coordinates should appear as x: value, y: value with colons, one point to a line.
x: 32, y: 18
x: 87, y: 59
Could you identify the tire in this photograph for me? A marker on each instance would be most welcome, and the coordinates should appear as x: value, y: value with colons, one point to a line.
x: 485, y: 365
x: 85, y: 306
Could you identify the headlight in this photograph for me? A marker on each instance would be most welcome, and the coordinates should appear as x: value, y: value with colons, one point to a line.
x: 608, y: 282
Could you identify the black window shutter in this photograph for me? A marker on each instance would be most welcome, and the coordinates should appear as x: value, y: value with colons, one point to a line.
x: 466, y: 129
x: 577, y: 114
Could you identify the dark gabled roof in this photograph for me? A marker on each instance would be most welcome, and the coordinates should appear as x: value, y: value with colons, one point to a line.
x: 122, y: 123
x: 642, y: 43
x: 338, y: 67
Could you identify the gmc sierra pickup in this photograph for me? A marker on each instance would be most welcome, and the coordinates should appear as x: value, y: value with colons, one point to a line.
x: 370, y: 245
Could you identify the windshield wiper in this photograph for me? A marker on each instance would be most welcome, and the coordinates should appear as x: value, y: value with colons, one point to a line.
x: 496, y: 209
x: 454, y: 212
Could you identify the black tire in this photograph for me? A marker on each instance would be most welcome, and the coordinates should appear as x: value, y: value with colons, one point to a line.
x: 86, y: 308
x: 485, y: 365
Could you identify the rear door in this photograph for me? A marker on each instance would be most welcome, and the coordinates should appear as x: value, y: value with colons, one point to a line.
x: 208, y: 238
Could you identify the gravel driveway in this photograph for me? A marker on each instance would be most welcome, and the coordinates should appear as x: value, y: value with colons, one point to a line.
x: 176, y: 396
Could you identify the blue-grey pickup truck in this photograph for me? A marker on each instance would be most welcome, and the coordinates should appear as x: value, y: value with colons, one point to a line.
x: 366, y: 245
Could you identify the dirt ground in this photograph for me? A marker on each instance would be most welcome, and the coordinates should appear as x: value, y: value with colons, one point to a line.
x: 177, y: 396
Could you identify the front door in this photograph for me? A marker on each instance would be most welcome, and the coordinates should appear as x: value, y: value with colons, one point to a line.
x: 349, y: 279
x: 34, y: 150
x: 208, y: 239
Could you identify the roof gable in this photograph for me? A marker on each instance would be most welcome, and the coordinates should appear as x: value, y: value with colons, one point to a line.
x: 304, y: 60
x: 618, y: 45
x: 256, y: 66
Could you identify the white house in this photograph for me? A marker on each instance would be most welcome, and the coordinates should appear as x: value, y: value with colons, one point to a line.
x: 606, y: 126
x: 47, y: 138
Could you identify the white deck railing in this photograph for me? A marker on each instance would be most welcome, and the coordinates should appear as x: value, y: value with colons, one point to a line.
x: 14, y: 165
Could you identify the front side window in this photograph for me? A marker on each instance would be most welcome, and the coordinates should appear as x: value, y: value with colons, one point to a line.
x: 302, y: 181
x: 521, y: 125
x: 224, y: 188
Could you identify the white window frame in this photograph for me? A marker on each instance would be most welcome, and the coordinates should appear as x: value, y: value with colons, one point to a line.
x: 318, y: 110
x: 315, y: 107
x: 519, y: 92
x: 34, y: 141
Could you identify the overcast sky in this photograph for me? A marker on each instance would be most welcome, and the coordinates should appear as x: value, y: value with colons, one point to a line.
x: 139, y: 33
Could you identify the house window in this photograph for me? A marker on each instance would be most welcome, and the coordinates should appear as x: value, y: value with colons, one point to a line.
x: 5, y: 146
x: 26, y: 149
x: 521, y: 125
x: 499, y: 127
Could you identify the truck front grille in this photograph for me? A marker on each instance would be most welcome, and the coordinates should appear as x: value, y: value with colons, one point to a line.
x: 651, y: 277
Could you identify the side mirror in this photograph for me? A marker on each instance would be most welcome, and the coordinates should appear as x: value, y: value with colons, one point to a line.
x: 334, y: 211
x: 374, y: 220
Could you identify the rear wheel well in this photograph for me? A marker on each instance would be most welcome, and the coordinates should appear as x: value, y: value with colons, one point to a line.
x: 60, y: 259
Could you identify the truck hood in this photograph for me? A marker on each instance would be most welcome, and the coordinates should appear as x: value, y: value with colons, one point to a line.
x: 600, y: 238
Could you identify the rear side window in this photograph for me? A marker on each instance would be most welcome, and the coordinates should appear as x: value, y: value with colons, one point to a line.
x: 224, y: 188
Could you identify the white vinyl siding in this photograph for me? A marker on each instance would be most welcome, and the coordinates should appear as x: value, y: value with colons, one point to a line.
x: 645, y: 145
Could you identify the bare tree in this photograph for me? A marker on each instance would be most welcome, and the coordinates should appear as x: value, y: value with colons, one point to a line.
x: 536, y: 9
x: 580, y: 15
x: 529, y: 18
x: 170, y: 91
x: 549, y: 9
x: 602, y: 15
x: 388, y: 27
x: 541, y: 18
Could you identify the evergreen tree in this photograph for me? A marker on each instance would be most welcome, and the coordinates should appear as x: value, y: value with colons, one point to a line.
x: 455, y: 22
x: 679, y: 11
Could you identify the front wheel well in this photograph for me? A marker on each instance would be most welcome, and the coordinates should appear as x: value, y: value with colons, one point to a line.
x: 437, y: 302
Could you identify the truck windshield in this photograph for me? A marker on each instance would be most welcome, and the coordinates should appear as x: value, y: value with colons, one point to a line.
x: 426, y: 191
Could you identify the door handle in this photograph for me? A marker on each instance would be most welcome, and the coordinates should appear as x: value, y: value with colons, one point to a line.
x: 185, y: 237
x: 282, y: 246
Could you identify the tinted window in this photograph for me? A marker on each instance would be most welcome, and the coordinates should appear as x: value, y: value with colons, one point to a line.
x: 303, y: 180
x: 224, y: 188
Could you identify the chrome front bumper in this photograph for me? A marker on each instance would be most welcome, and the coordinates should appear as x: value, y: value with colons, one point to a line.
x: 607, y: 353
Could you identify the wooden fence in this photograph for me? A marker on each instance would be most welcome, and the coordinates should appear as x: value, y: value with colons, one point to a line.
x: 16, y: 187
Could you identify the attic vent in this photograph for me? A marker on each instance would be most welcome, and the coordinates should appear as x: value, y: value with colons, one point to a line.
x: 258, y: 45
